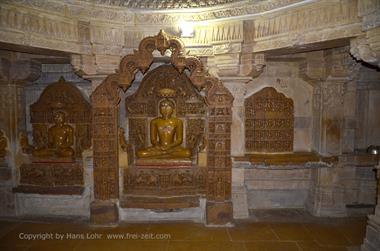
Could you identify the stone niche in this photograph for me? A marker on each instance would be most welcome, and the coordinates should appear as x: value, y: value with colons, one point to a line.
x: 46, y: 172
x: 159, y: 184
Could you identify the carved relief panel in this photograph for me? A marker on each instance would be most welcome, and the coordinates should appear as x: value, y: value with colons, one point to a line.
x: 142, y: 106
x: 105, y: 144
x: 269, y: 122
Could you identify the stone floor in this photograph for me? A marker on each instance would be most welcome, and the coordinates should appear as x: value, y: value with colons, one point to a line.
x: 264, y: 232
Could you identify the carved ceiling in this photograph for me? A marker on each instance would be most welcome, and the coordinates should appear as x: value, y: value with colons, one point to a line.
x: 165, y: 4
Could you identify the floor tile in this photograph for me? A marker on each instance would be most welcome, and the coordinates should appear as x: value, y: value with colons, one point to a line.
x: 354, y: 231
x: 129, y: 245
x: 333, y: 235
x: 252, y: 231
x: 188, y: 231
x: 13, y: 248
x: 205, y: 245
x: 291, y: 231
x: 6, y: 226
x: 326, y: 234
x: 271, y: 246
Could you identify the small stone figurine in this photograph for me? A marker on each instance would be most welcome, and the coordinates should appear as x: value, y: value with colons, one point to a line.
x: 60, y: 139
x: 3, y: 145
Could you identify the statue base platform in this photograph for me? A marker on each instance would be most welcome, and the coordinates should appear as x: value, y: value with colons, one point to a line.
x: 219, y: 213
x: 163, y: 163
x: 54, y: 174
x: 58, y: 190
x: 52, y: 159
x: 151, y: 202
x: 163, y: 184
x: 104, y: 213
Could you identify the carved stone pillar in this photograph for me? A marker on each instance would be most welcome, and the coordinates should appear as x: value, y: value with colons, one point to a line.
x: 335, y: 97
x: 15, y: 72
x: 237, y: 87
x: 219, y: 204
x: 313, y: 71
x: 104, y: 102
x: 105, y: 127
x: 333, y: 75
x: 372, y: 238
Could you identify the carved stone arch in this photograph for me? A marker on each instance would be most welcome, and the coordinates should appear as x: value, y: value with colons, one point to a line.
x: 105, y: 101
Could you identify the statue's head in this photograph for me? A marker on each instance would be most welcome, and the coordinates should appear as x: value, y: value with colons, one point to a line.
x: 166, y: 108
x: 59, y: 118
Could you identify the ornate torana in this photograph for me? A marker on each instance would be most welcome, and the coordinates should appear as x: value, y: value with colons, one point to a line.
x: 269, y: 122
x: 218, y: 100
x: 105, y: 100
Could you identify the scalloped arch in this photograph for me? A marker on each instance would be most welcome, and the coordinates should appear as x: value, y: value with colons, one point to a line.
x: 142, y: 58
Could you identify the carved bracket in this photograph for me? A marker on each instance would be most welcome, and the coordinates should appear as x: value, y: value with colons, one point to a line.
x: 365, y: 48
x: 252, y: 64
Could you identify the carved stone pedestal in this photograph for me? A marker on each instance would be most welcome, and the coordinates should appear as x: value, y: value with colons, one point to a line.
x: 372, y: 237
x: 219, y: 213
x: 48, y: 178
x: 52, y: 189
x: 163, y: 186
x: 163, y: 163
x: 7, y: 204
x: 104, y: 213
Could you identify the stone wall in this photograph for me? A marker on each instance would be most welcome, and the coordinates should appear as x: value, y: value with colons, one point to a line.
x: 368, y: 97
x: 340, y: 189
x: 270, y: 188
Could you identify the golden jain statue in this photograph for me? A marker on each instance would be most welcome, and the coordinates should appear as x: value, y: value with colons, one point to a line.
x: 166, y: 132
x: 60, y: 139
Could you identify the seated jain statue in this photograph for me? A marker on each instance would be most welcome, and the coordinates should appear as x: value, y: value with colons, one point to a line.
x: 60, y: 139
x: 166, y: 132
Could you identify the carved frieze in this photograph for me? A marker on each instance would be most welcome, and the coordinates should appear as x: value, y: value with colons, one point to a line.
x: 165, y: 181
x: 51, y: 174
x: 342, y: 12
x: 269, y: 122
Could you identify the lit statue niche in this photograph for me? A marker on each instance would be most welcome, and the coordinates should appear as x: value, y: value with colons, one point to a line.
x: 60, y: 139
x: 166, y: 132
